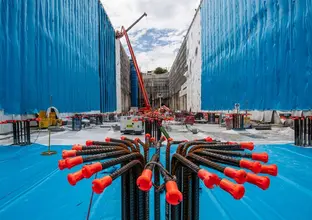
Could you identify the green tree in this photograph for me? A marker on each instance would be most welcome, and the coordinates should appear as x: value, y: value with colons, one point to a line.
x: 160, y: 70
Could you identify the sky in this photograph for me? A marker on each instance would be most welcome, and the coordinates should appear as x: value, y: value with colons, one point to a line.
x: 156, y: 39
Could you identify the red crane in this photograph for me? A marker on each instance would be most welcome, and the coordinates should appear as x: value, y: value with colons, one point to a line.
x: 124, y: 32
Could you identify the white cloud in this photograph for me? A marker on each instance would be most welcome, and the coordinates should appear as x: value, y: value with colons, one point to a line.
x: 161, y: 14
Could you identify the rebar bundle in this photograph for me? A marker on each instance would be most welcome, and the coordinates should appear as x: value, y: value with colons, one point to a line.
x: 153, y: 127
x: 303, y: 131
x: 238, y: 121
x: 21, y: 131
x: 181, y: 174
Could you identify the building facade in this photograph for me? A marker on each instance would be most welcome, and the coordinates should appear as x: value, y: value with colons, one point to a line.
x: 157, y: 89
x: 177, y: 78
x: 123, y: 79
x: 194, y: 61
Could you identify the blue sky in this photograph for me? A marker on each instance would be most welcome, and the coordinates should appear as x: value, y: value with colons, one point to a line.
x: 157, y: 38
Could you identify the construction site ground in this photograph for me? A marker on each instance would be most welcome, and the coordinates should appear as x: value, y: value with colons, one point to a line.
x: 29, y: 178
x: 278, y: 135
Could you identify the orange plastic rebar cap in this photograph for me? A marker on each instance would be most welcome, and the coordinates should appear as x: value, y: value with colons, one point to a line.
x: 74, y: 161
x: 89, y: 170
x: 236, y: 190
x: 99, y: 185
x: 62, y: 164
x: 144, y: 182
x: 209, y: 179
x: 262, y: 182
x: 264, y: 157
x: 73, y: 178
x: 77, y: 147
x: 68, y: 153
x: 269, y: 169
x: 247, y: 145
x: 173, y: 195
x: 89, y: 142
x: 208, y: 139
x: 254, y: 166
x: 238, y: 175
x: 137, y: 139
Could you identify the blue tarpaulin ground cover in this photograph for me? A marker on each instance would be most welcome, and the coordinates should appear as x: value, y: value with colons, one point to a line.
x: 32, y: 187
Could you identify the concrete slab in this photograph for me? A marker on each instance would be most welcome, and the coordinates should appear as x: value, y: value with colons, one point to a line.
x: 178, y: 132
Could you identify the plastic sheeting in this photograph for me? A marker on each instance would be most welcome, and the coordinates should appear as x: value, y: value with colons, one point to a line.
x: 50, y: 50
x: 134, y: 86
x: 256, y: 53
x: 108, y: 94
x: 32, y: 187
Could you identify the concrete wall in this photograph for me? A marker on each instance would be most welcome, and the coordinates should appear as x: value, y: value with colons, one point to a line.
x: 125, y: 80
x: 122, y: 79
x: 194, y: 61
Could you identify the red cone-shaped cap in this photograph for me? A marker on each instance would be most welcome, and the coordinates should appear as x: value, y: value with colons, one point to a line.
x: 77, y: 147
x: 236, y: 190
x: 263, y: 157
x: 254, y: 166
x: 238, y: 175
x: 262, y: 182
x: 269, y: 169
x: 209, y: 179
x: 74, y: 161
x: 62, y: 164
x: 89, y: 142
x: 173, y: 195
x: 89, y: 170
x: 73, y: 178
x: 144, y: 182
x: 68, y: 153
x: 99, y: 185
x: 247, y: 145
x: 208, y: 139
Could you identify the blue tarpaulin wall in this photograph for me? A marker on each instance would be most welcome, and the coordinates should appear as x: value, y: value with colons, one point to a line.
x: 256, y: 53
x: 32, y: 187
x: 107, y: 63
x: 51, y: 48
x: 134, y: 86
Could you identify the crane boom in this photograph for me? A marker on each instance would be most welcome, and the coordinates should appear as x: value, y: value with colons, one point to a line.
x: 141, y: 82
x: 124, y: 32
x: 129, y: 28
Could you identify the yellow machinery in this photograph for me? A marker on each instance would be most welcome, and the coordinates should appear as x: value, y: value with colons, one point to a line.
x: 52, y: 120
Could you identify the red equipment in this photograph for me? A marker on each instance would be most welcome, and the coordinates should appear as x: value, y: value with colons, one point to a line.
x: 189, y: 120
x: 124, y: 32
